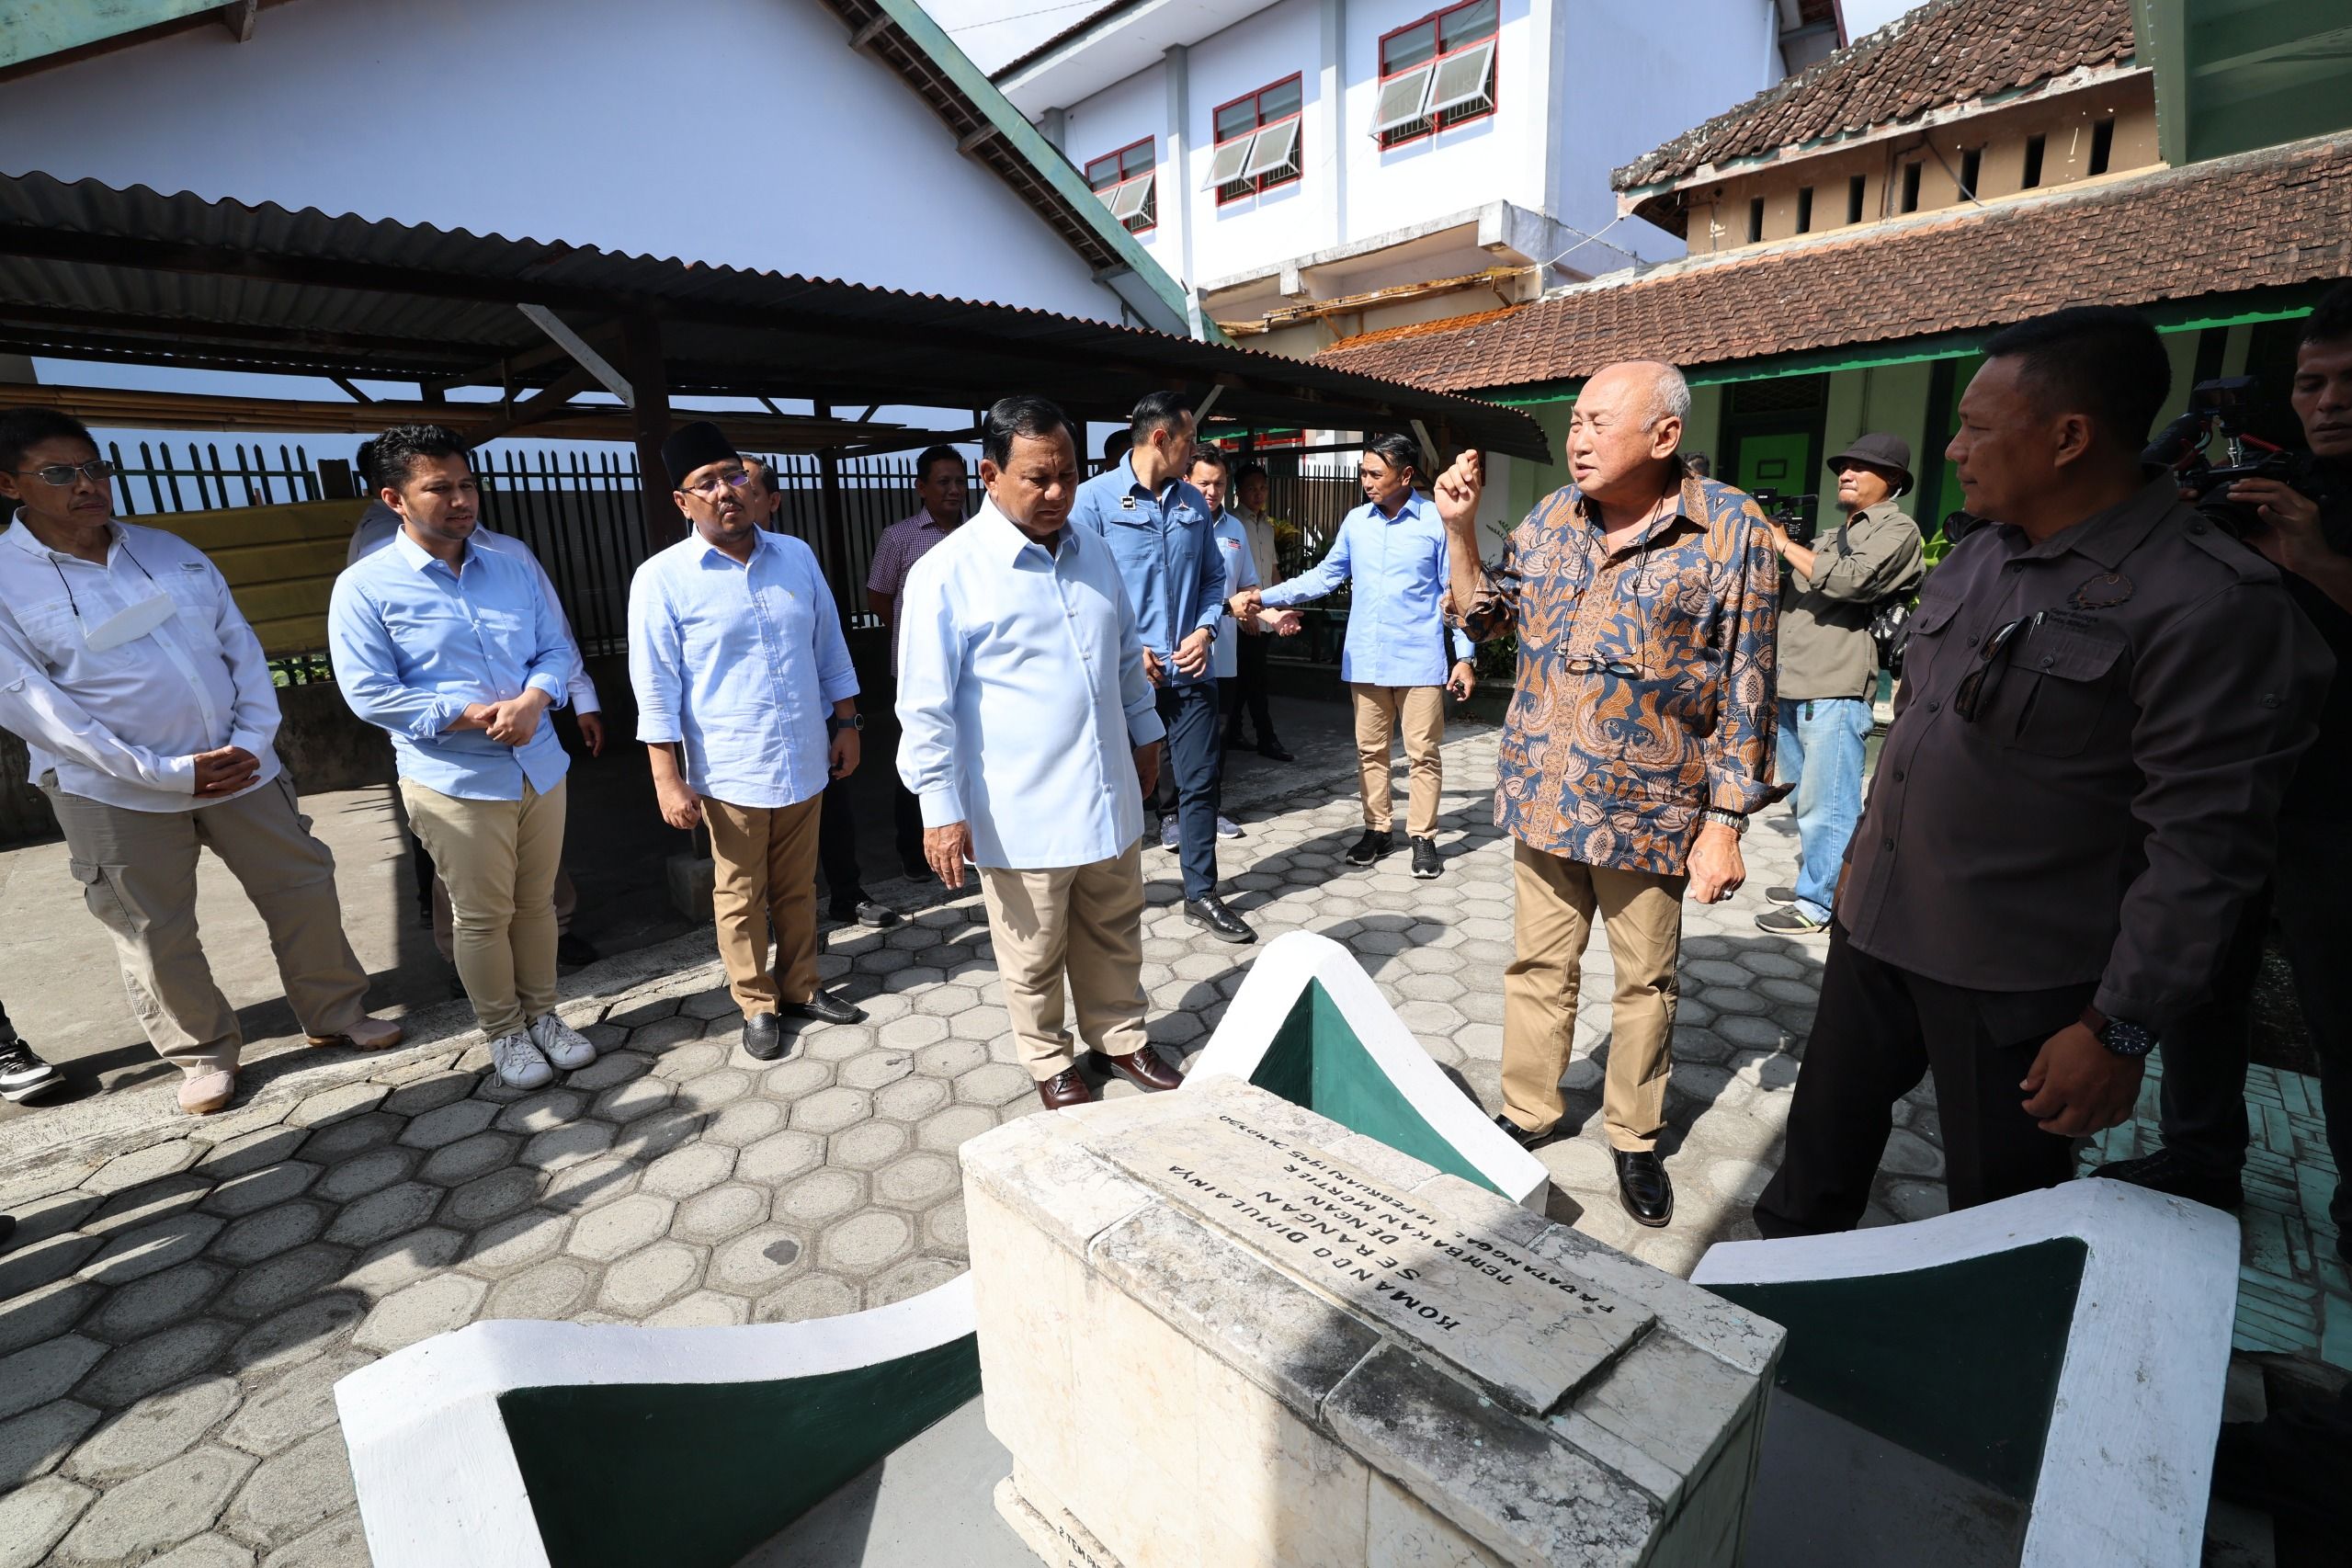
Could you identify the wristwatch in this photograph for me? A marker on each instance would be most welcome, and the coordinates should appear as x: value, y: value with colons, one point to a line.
x: 1732, y: 820
x: 834, y: 725
x: 2121, y: 1036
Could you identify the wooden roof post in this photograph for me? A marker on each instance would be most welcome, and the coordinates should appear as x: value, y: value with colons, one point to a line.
x: 649, y: 381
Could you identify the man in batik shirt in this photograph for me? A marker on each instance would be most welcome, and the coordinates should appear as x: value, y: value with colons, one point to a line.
x: 1638, y: 741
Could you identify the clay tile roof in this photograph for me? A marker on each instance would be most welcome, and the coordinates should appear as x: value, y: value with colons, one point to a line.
x: 2278, y: 217
x: 1950, y: 51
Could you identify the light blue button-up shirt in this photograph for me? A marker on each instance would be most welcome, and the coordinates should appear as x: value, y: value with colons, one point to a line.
x: 1166, y: 554
x: 742, y: 663
x: 1396, y: 636
x: 1240, y: 572
x: 416, y: 643
x: 1021, y: 696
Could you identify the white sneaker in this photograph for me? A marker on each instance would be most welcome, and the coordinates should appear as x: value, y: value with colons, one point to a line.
x: 1168, y: 832
x: 1227, y: 828
x: 565, y: 1045
x: 520, y: 1064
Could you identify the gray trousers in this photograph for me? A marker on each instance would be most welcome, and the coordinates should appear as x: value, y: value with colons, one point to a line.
x: 138, y: 876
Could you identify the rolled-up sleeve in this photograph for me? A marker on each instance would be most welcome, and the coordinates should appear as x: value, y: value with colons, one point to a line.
x: 930, y: 663
x: 367, y: 669
x: 1739, y: 755
x: 656, y: 657
x: 2228, y: 699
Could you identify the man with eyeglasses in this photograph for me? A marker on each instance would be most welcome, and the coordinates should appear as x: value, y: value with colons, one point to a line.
x: 1637, y: 746
x: 747, y: 705
x: 2103, y: 699
x: 146, y: 703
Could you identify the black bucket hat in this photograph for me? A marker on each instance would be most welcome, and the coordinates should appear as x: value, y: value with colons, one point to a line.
x: 1880, y: 451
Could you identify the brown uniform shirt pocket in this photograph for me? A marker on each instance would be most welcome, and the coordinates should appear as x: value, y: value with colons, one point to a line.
x: 2064, y: 677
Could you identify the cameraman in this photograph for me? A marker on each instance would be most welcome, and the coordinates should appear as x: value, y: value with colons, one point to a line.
x: 2304, y: 529
x: 1829, y: 665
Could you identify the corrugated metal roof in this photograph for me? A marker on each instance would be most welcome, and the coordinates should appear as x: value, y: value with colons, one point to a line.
x: 90, y: 271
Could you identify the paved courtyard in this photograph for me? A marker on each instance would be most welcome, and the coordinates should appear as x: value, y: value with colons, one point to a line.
x: 183, y: 1295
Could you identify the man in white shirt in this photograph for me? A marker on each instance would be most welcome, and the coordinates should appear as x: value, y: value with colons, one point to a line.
x: 148, y: 707
x: 1005, y: 623
x: 377, y: 527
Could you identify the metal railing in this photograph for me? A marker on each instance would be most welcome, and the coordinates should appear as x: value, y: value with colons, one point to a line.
x: 204, y: 482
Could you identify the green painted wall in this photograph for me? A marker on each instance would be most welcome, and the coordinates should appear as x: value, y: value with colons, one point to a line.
x: 1317, y: 1062
x: 694, y: 1475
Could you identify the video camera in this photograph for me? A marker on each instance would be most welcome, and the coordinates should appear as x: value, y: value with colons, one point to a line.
x: 2218, y: 407
x: 1796, y: 515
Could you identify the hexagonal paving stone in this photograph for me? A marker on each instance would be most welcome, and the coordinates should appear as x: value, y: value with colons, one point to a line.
x: 647, y: 1279
x: 27, y: 1268
x: 469, y: 1158
x: 580, y: 1187
x: 270, y: 1233
x: 710, y: 1091
x: 820, y: 1196
x: 943, y: 1227
x: 143, y: 1165
x: 910, y: 1099
x: 450, y: 1123
x: 341, y: 1140
x: 32, y: 1518
x: 911, y: 1278
x: 867, y: 1145
x: 613, y: 1067
x: 365, y: 1173
x: 42, y: 1372
x: 688, y: 1171
x: 704, y: 1309
x: 419, y: 1311
x: 865, y: 1243
x: 567, y: 1145
x: 638, y: 1097
x: 293, y: 1493
x: 778, y: 1158
x: 161, y: 1507
x: 876, y: 1068
x: 812, y: 1295
x: 336, y: 1544
x: 385, y: 1214
x: 946, y: 1130
x: 518, y: 1241
x: 715, y: 1215
x: 999, y: 1083
x: 338, y: 1104
x: 153, y: 1431
x: 547, y: 1290
x: 830, y: 1110
x: 795, y: 1078
x: 754, y: 1261
x: 151, y: 1249
x: 916, y: 1180
x: 404, y: 1260
x: 745, y: 1121
x: 839, y: 1042
x: 260, y: 1188
x: 34, y: 1443
x: 431, y: 1092
x: 539, y: 1111
x: 297, y: 1334
x: 914, y: 1032
x: 156, y: 1300
x: 282, y: 1280
x: 621, y: 1228
x: 492, y: 1197
x: 284, y: 1410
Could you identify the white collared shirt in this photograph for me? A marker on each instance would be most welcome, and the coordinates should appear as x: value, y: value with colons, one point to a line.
x: 123, y: 725
x: 1021, y: 696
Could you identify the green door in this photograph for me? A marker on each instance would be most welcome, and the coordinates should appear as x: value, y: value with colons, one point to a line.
x: 1775, y: 462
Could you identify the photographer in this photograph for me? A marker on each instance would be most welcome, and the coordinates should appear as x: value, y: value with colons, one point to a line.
x: 1829, y: 664
x: 2303, y: 528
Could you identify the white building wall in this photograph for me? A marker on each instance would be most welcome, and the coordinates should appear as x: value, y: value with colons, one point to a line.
x: 1135, y: 109
x: 1499, y: 157
x: 776, y: 146
x: 1289, y: 220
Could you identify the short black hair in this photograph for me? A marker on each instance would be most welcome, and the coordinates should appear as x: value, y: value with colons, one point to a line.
x: 1158, y: 411
x: 1249, y: 469
x: 1022, y: 415
x: 765, y: 468
x: 1212, y: 456
x: 22, y: 429
x: 2103, y: 360
x: 2331, y: 319
x: 1117, y: 444
x: 363, y: 464
x: 935, y: 455
x: 1398, y: 452
x: 398, y: 448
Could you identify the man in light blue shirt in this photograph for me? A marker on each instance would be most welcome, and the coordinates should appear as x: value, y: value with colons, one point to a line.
x: 1393, y: 549
x: 455, y: 652
x: 1028, y: 732
x: 748, y: 706
x: 1212, y: 474
x: 1161, y: 536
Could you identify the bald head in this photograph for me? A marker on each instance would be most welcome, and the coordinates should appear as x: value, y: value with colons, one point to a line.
x: 1623, y: 432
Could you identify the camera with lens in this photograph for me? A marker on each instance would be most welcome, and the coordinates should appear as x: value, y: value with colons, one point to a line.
x: 1796, y: 515
x: 2218, y: 408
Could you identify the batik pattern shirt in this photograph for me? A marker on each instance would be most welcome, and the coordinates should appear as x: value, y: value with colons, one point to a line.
x: 1644, y: 693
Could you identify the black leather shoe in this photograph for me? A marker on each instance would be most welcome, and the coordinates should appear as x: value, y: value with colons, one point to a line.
x: 2168, y: 1173
x: 1642, y: 1186
x: 1370, y: 847
x: 1424, y: 858
x: 1272, y: 751
x: 864, y: 912
x: 1518, y: 1134
x: 1222, y: 923
x: 764, y: 1037
x: 572, y: 952
x: 825, y: 1009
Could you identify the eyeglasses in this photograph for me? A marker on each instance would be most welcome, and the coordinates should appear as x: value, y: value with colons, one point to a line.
x: 731, y: 479
x: 1976, y: 687
x: 97, y: 471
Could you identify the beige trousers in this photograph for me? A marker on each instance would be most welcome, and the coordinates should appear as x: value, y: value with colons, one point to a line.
x: 1421, y: 709
x: 138, y: 876
x: 1556, y: 898
x: 765, y: 881
x: 567, y: 899
x: 498, y: 858
x: 1081, y: 922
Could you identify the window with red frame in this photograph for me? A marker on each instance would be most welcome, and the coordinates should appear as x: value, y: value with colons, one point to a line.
x: 1258, y: 142
x: 1123, y: 179
x: 1437, y: 72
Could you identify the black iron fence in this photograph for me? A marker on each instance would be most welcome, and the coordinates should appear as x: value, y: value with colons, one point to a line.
x: 202, y: 480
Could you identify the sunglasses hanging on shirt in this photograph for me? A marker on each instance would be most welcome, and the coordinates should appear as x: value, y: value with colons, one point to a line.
x: 128, y: 624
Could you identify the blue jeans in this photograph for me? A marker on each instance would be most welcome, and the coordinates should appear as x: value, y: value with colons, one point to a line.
x: 1191, y: 775
x: 1821, y: 748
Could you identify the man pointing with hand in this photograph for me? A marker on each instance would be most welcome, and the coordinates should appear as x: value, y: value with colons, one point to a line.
x: 1645, y: 600
x: 1029, y: 734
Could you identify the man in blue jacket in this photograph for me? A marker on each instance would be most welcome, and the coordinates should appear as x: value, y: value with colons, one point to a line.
x: 1161, y: 532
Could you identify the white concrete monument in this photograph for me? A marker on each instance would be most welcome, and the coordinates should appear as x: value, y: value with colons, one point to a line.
x: 1217, y: 1329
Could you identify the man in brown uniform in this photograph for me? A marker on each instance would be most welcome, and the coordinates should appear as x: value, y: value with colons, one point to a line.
x: 2103, y: 698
